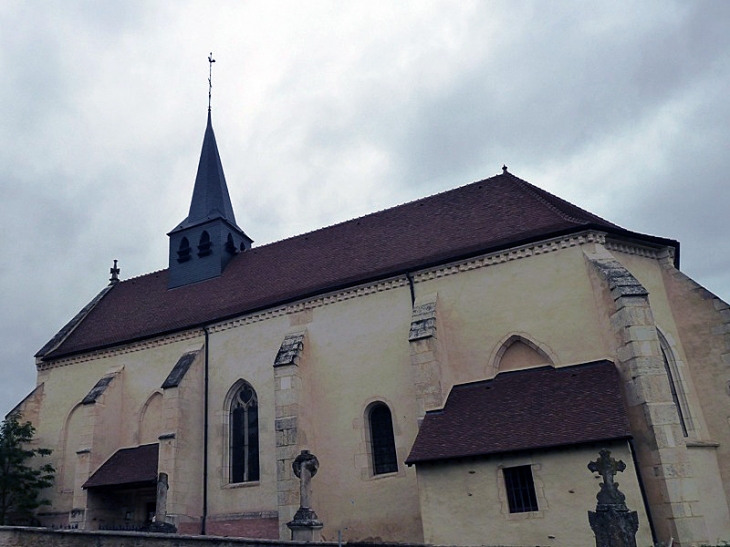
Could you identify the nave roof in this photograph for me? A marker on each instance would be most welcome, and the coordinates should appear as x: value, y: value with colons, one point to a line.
x: 489, y: 215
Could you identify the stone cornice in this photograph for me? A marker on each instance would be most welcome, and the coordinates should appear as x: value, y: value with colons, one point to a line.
x: 122, y: 349
x: 639, y: 250
x: 515, y: 253
x: 486, y: 260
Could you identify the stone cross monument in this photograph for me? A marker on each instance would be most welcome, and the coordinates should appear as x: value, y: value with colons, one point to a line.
x: 612, y: 522
x: 160, y: 523
x: 305, y: 526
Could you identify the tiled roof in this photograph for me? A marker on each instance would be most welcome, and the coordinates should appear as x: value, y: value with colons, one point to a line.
x: 525, y: 410
x: 127, y: 467
x: 484, y: 216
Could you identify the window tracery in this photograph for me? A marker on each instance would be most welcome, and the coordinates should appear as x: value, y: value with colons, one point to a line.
x: 244, y: 436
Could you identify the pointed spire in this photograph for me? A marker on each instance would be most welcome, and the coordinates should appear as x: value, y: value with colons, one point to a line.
x: 210, y: 194
x: 203, y: 244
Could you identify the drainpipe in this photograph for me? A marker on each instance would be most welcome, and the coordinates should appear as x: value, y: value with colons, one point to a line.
x: 413, y: 290
x: 205, y: 439
x: 642, y: 489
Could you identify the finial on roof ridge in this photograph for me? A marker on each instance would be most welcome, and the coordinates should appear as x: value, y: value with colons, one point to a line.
x: 504, y: 169
x: 210, y: 78
x: 115, y: 273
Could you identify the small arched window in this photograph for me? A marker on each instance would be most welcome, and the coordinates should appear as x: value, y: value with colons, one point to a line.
x: 381, y: 440
x: 244, y: 435
x: 204, y: 245
x: 183, y: 251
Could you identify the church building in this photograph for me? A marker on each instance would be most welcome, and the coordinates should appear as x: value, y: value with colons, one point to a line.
x: 454, y: 363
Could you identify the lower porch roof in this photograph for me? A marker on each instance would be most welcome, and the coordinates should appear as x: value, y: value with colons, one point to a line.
x: 530, y: 409
x: 127, y: 468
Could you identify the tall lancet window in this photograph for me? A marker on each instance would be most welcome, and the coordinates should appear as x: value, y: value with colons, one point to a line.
x: 676, y: 386
x: 382, y: 440
x: 244, y: 435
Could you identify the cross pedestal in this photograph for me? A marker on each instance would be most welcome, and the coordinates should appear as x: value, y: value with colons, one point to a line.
x: 305, y: 526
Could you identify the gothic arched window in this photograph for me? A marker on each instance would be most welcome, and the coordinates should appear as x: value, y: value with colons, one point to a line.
x: 244, y: 435
x: 382, y: 440
x: 676, y: 386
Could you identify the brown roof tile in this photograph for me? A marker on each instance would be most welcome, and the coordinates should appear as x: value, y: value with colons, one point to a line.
x: 127, y: 467
x: 525, y: 410
x: 483, y: 216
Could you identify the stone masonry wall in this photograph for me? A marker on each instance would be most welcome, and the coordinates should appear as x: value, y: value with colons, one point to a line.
x: 426, y: 354
x: 288, y: 394
x: 703, y: 320
x: 11, y: 536
x: 664, y: 463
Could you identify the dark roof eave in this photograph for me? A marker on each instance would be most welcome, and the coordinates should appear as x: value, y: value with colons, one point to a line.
x: 399, y: 270
x: 184, y: 225
x: 123, y: 485
x: 69, y: 327
x: 415, y: 461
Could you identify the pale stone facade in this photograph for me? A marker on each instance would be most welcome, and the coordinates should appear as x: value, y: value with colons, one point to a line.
x: 320, y: 363
x: 479, y: 512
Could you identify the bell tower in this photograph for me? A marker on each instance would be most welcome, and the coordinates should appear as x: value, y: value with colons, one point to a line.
x: 203, y: 244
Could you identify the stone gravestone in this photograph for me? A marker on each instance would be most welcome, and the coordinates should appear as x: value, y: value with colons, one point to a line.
x: 305, y: 526
x: 612, y: 522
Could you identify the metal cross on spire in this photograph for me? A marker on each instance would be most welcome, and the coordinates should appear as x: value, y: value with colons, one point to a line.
x: 210, y: 77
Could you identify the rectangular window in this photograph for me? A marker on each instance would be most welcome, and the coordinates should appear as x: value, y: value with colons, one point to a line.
x: 520, y: 488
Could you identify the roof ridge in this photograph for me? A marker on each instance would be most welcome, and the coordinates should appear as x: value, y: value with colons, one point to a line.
x: 534, y: 190
x: 540, y: 195
x: 373, y: 213
x: 140, y: 276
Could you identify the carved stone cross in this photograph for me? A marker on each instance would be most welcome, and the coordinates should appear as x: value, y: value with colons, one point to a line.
x: 612, y: 522
x: 606, y: 466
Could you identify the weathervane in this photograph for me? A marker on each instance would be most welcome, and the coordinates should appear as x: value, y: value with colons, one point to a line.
x: 210, y: 77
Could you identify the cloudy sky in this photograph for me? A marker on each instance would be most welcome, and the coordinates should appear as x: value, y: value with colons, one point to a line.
x: 328, y: 110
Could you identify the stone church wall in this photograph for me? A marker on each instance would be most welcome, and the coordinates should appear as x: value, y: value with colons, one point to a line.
x: 359, y: 348
x: 473, y: 491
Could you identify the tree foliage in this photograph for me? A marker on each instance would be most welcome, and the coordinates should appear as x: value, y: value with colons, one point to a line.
x: 21, y: 482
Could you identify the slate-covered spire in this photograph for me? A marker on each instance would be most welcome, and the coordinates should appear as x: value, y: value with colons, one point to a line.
x: 202, y: 245
x: 210, y: 195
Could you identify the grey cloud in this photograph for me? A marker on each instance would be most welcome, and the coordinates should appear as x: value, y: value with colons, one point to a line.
x: 618, y: 107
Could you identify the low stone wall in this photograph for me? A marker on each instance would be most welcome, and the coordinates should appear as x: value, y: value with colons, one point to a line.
x: 17, y: 536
